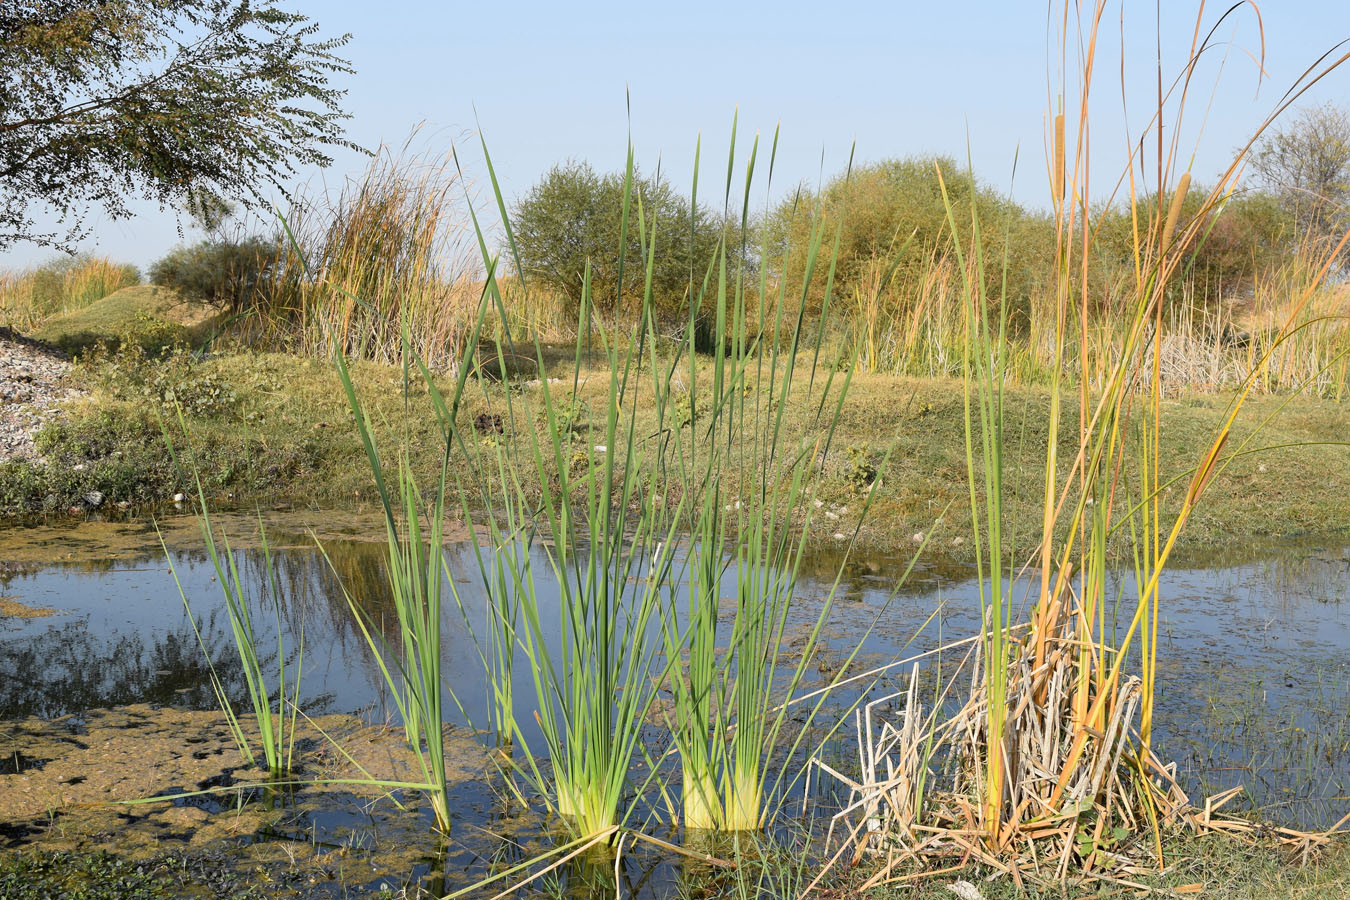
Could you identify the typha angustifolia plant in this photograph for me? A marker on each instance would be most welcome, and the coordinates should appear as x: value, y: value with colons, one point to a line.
x: 622, y: 507
x: 268, y: 705
x: 411, y: 664
x: 745, y: 471
x: 1055, y: 757
x: 591, y: 674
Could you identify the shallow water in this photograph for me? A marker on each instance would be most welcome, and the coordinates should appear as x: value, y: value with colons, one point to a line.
x: 1254, y: 685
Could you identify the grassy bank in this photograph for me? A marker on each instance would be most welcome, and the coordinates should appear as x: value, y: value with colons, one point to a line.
x: 269, y: 427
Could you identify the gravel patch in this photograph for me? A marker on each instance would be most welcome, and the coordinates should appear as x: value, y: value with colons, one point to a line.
x: 34, y: 383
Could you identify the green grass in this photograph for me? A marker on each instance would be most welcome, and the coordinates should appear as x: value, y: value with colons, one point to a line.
x: 276, y: 732
x: 288, y: 436
x: 150, y: 316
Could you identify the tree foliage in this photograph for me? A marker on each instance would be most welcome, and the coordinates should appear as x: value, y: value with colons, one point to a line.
x: 892, y: 214
x: 1307, y: 164
x: 221, y: 270
x: 1248, y: 234
x: 574, y: 216
x: 171, y: 100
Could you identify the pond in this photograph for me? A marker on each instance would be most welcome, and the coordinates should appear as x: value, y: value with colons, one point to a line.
x: 1254, y: 686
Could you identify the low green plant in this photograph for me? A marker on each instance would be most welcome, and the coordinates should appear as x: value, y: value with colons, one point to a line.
x: 38, y: 874
x: 860, y: 470
x: 171, y: 379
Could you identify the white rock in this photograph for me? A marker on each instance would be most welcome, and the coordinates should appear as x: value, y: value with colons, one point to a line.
x: 965, y: 890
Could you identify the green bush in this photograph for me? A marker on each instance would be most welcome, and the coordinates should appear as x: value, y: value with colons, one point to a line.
x: 859, y: 470
x: 223, y: 272
x: 1248, y: 235
x: 574, y: 216
x: 893, y: 212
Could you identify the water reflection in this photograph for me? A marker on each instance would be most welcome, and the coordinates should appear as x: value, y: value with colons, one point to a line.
x: 1254, y: 685
x: 71, y: 667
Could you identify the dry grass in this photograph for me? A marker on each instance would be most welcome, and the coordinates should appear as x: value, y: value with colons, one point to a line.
x: 1033, y: 757
x: 912, y: 812
x: 387, y: 254
x: 65, y: 285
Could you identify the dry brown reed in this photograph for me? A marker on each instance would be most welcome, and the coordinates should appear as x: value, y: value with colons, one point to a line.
x: 1034, y: 756
x: 388, y: 253
x: 913, y: 327
x: 912, y: 811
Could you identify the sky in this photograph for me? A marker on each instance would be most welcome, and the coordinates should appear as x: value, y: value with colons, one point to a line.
x: 545, y: 82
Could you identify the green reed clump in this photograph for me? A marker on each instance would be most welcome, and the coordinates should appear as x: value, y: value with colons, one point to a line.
x: 638, y: 530
x: 411, y: 664
x: 276, y: 723
x: 744, y: 479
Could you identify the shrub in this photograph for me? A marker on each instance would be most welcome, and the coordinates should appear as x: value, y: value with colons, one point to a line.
x: 573, y: 217
x: 1246, y: 237
x: 895, y: 205
x: 224, y: 272
x: 859, y: 469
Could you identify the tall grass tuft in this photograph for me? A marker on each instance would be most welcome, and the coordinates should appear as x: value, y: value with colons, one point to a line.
x: 275, y: 722
x: 63, y: 285
x: 745, y: 475
x: 385, y: 253
x: 1052, y: 749
x: 640, y: 531
x: 411, y: 665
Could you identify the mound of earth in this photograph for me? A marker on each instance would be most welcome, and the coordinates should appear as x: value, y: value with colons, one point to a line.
x: 150, y: 315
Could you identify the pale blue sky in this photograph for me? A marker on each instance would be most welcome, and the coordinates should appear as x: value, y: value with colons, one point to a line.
x: 546, y: 82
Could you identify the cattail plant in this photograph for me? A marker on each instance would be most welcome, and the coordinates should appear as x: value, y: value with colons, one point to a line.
x: 410, y: 666
x: 1052, y: 753
x: 274, y: 709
